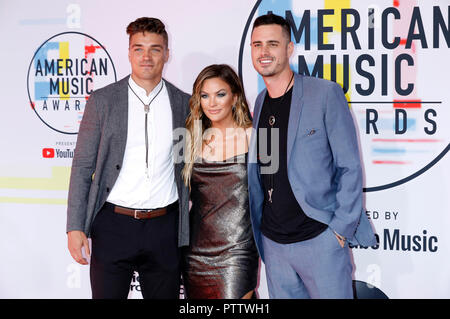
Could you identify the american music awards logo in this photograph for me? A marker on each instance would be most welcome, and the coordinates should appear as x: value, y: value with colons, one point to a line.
x: 392, y: 65
x: 63, y: 72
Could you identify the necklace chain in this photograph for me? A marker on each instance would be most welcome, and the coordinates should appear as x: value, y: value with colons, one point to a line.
x: 272, y: 121
x: 272, y: 118
x: 146, y: 110
x: 147, y: 106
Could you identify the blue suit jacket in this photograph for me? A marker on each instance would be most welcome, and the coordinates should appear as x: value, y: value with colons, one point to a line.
x: 323, y: 161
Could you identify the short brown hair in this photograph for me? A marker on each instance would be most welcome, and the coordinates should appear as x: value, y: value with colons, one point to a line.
x: 152, y: 25
x: 271, y: 18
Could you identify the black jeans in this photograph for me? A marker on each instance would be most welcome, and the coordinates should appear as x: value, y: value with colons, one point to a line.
x: 122, y: 244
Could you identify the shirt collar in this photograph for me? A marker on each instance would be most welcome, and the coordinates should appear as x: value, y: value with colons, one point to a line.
x: 141, y: 91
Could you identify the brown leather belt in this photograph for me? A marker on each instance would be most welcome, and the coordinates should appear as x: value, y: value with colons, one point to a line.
x: 141, y: 213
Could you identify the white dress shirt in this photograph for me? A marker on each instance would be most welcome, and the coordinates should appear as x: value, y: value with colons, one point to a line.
x: 135, y: 187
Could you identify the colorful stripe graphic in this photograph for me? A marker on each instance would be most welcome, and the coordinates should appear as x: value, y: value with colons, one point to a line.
x: 58, y: 181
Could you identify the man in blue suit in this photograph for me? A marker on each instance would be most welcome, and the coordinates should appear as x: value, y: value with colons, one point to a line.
x: 304, y: 175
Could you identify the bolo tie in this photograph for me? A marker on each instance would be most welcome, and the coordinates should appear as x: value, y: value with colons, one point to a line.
x: 146, y: 110
x: 272, y: 120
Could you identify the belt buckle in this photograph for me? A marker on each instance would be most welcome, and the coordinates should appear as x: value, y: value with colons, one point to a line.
x: 138, y: 211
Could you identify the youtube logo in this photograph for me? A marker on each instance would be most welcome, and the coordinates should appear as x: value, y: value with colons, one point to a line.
x: 57, y: 153
x: 48, y: 152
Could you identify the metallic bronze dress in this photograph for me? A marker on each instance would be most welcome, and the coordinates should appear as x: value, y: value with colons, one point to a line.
x: 222, y: 259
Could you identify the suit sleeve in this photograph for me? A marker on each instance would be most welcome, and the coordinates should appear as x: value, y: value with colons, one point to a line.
x: 344, y: 146
x: 83, y: 166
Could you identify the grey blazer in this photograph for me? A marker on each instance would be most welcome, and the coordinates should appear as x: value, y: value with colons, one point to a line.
x: 99, y: 155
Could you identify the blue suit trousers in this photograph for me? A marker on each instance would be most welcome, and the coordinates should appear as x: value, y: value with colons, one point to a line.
x: 314, y: 268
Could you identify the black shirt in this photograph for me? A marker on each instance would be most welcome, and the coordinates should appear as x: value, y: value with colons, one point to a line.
x: 283, y: 220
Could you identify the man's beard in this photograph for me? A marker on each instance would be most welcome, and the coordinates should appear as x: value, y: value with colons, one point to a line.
x: 267, y: 73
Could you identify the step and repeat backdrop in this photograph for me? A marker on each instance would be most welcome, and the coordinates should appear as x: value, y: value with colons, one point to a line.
x: 390, y: 57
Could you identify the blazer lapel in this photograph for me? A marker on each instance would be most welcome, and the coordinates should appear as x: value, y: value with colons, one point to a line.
x: 294, y: 114
x: 175, y: 101
x: 256, y: 114
x: 258, y: 107
x: 119, y: 115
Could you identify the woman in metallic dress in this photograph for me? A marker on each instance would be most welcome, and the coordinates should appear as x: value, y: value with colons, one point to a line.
x: 221, y: 260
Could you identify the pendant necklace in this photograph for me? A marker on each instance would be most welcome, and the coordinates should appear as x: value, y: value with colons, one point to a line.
x: 146, y: 110
x: 272, y: 121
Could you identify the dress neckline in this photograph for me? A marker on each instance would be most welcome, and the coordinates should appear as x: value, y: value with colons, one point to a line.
x: 227, y: 160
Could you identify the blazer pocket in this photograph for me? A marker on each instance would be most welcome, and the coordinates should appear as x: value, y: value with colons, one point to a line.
x: 314, y: 146
x: 314, y: 136
x: 312, y: 132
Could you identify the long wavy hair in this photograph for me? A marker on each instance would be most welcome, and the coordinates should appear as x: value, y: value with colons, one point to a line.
x: 240, y: 112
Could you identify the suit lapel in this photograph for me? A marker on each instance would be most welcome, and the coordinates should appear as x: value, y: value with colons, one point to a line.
x: 294, y: 114
x: 256, y: 114
x: 258, y: 107
x: 175, y: 101
x: 119, y: 115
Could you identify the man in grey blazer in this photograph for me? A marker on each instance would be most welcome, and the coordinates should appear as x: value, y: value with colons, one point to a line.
x: 126, y: 191
x: 304, y: 175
